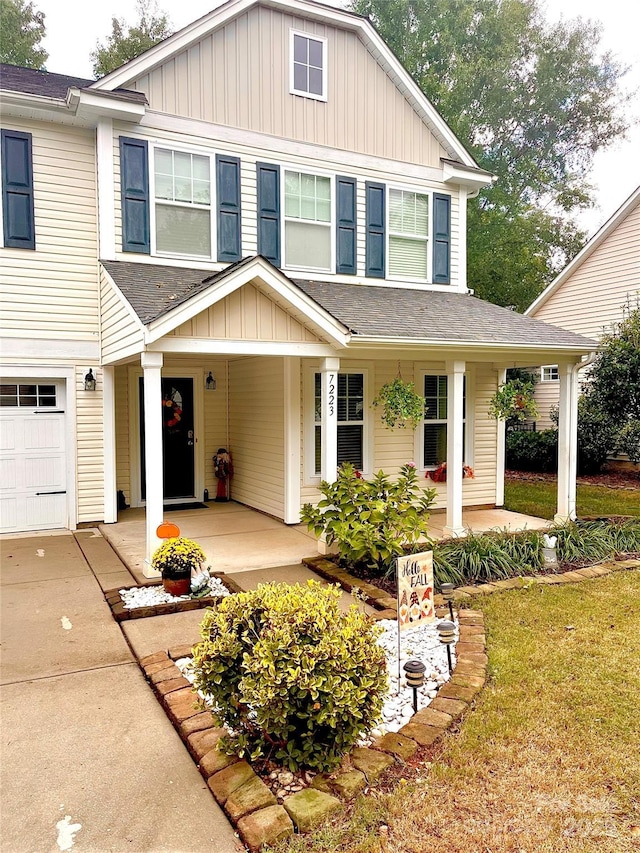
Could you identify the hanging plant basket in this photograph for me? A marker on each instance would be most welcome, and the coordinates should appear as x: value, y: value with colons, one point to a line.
x: 401, y: 406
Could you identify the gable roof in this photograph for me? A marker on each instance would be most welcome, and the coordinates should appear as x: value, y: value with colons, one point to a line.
x: 367, y: 312
x: 45, y: 84
x: 376, y: 45
x: 598, y: 238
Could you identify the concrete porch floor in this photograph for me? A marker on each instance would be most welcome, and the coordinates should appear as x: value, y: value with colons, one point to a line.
x: 238, y: 539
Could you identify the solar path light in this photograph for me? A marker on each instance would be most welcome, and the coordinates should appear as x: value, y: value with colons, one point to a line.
x: 447, y: 593
x: 415, y: 670
x: 447, y: 634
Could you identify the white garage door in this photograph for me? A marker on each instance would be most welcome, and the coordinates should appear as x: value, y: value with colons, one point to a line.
x: 33, y: 488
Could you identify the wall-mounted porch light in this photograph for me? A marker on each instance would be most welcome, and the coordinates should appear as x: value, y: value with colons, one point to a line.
x: 90, y: 381
x: 210, y: 382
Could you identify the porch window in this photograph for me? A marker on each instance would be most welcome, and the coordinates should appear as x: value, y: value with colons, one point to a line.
x: 182, y: 192
x: 307, y: 221
x: 408, y: 234
x: 549, y: 373
x: 434, y: 430
x: 308, y: 66
x: 350, y: 420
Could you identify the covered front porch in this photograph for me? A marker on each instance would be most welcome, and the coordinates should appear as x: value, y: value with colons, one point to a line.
x: 236, y: 538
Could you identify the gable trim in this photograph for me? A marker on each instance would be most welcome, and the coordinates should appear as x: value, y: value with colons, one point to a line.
x: 153, y: 57
x: 598, y: 238
x: 260, y: 269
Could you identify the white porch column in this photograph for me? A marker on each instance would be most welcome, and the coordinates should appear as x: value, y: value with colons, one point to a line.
x: 109, y: 444
x: 567, y: 441
x: 501, y: 426
x: 329, y: 399
x: 292, y: 407
x: 455, y: 436
x: 154, y: 488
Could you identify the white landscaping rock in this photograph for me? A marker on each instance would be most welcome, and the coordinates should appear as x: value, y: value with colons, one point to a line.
x: 148, y: 596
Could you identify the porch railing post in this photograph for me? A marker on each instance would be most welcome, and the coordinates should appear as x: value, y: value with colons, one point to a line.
x: 154, y: 474
x: 455, y: 444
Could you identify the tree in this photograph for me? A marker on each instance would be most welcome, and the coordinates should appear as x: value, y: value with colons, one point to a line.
x: 533, y: 102
x: 21, y: 31
x: 126, y: 42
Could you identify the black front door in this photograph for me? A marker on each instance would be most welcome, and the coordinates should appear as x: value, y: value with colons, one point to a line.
x: 178, y: 442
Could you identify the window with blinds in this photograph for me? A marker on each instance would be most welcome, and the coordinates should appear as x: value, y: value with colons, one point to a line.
x: 182, y: 192
x: 408, y: 234
x: 435, y: 420
x: 350, y: 420
x: 307, y: 221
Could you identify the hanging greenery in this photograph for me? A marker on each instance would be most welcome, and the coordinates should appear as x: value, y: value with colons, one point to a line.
x: 513, y: 402
x: 400, y: 403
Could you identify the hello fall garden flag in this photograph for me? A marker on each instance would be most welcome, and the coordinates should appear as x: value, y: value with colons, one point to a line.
x: 415, y: 590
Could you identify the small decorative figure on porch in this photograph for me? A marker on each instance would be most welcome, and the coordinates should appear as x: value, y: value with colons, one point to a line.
x: 223, y: 469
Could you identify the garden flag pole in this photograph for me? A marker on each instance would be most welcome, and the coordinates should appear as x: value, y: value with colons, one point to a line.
x: 414, y: 579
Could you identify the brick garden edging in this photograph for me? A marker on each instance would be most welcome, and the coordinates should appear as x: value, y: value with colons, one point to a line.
x: 121, y: 613
x: 250, y: 804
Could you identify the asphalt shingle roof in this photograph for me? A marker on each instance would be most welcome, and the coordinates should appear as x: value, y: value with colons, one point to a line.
x: 30, y: 81
x: 367, y: 310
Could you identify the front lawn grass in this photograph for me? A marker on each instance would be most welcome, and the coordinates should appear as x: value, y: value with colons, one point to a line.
x: 549, y: 759
x: 539, y: 497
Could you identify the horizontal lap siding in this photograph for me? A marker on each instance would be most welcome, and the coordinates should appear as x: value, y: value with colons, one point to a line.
x: 123, y: 446
x: 215, y: 422
x: 52, y: 292
x: 247, y: 62
x: 118, y: 329
x: 594, y: 295
x: 547, y: 394
x: 90, y: 449
x: 256, y: 432
x: 482, y: 488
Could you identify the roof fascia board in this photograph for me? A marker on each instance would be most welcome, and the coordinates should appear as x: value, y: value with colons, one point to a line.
x: 24, y: 99
x: 598, y: 238
x: 192, y: 32
x: 263, y: 271
x: 85, y: 103
x: 473, y: 179
x: 225, y: 346
x: 553, y: 352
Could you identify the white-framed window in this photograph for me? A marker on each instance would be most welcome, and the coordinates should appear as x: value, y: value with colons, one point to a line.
x: 308, y: 224
x: 182, y: 216
x: 27, y: 394
x: 352, y: 426
x: 308, y: 65
x: 433, y: 444
x: 549, y: 373
x: 408, y: 234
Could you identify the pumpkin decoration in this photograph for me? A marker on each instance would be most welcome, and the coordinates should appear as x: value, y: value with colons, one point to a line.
x: 167, y: 530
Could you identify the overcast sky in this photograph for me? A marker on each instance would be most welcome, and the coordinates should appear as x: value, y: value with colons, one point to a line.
x: 74, y: 27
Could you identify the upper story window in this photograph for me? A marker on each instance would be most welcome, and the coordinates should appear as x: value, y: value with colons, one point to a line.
x: 408, y: 234
x: 307, y: 221
x: 182, y: 193
x: 549, y: 373
x: 308, y: 66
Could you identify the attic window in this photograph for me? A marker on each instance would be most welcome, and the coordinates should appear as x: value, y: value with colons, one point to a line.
x: 308, y: 66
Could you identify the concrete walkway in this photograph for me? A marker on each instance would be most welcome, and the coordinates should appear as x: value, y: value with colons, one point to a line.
x: 85, y: 744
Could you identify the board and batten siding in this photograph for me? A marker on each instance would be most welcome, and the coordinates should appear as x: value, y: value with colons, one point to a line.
x: 394, y: 448
x: 52, y: 292
x: 249, y: 156
x: 246, y: 314
x: 239, y: 76
x: 256, y: 433
x: 119, y: 331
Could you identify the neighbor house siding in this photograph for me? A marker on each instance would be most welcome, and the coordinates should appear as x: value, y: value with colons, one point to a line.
x: 52, y: 292
x: 256, y: 432
x: 247, y: 62
x: 547, y: 395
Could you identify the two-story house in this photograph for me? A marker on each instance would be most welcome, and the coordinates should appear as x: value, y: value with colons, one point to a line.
x: 243, y: 233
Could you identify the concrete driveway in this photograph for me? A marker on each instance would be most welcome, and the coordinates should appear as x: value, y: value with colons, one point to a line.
x: 90, y: 762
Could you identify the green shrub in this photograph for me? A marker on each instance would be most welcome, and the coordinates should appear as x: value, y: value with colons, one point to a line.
x: 532, y: 451
x: 371, y: 521
x: 292, y: 676
x: 628, y: 440
x: 481, y: 557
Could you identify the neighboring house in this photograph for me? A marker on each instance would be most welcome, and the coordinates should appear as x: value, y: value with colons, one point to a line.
x: 243, y: 233
x: 592, y: 291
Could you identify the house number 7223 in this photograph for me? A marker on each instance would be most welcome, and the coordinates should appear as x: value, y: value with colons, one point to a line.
x: 331, y: 396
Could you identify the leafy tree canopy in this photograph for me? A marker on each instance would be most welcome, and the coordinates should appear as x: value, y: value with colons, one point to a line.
x: 21, y: 31
x: 533, y: 102
x: 126, y: 42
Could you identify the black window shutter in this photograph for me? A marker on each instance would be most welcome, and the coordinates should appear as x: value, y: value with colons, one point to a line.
x: 346, y: 225
x: 134, y: 185
x: 269, y: 212
x: 375, y: 243
x: 228, y: 201
x: 17, y: 190
x: 441, y: 239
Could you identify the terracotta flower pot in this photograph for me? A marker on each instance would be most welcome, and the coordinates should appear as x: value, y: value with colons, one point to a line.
x: 177, y: 586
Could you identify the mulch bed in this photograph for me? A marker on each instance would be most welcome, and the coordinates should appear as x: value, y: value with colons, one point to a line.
x: 610, y: 479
